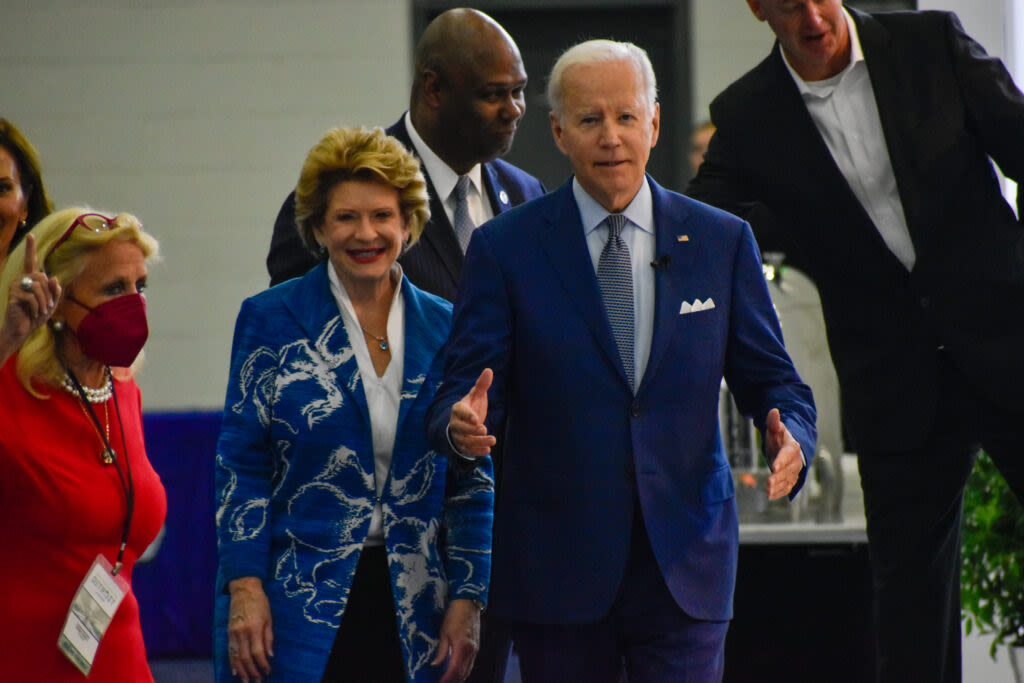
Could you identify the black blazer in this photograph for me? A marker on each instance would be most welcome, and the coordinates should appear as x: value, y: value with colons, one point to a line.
x: 434, y: 263
x: 945, y: 107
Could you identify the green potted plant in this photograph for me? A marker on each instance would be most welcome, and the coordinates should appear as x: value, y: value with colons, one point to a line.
x: 993, y: 561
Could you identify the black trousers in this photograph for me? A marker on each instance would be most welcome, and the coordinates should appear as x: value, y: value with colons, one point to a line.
x: 495, y: 647
x: 913, y: 501
x: 367, y: 647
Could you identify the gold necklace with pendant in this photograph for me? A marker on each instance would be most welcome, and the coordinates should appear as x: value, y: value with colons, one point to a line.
x: 107, y: 454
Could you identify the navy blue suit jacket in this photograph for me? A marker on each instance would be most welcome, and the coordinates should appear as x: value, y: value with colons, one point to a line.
x: 579, y: 446
x: 434, y: 263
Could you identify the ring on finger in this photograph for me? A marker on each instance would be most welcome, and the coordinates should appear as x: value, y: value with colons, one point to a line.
x: 26, y: 284
x: 233, y: 650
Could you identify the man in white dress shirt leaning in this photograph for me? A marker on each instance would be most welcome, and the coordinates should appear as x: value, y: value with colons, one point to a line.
x: 860, y: 147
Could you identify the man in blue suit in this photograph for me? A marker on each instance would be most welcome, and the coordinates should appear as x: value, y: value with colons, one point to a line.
x: 596, y: 324
x: 466, y: 102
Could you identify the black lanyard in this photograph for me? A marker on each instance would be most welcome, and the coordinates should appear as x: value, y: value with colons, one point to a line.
x: 129, y: 485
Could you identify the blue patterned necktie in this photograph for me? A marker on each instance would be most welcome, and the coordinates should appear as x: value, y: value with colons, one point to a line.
x: 464, y: 225
x: 615, y: 277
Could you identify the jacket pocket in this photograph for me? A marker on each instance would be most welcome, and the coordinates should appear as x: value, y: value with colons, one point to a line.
x: 717, y: 486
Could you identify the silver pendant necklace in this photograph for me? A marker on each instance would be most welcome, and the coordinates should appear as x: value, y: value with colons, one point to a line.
x: 381, y: 341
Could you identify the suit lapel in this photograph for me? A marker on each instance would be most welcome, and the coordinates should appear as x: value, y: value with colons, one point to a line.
x: 566, y: 248
x: 672, y: 240
x: 787, y: 117
x: 802, y: 151
x: 423, y: 340
x: 316, y: 312
x: 890, y: 81
x: 497, y: 193
x: 438, y: 233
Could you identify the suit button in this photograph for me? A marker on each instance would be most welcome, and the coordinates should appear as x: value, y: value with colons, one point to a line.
x: 634, y: 409
x: 925, y: 302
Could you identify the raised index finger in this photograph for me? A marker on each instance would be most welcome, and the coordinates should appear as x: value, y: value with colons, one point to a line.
x: 31, y: 261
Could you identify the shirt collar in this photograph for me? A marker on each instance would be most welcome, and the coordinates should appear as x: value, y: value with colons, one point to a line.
x: 341, y: 294
x: 856, y: 56
x: 441, y: 175
x: 640, y: 211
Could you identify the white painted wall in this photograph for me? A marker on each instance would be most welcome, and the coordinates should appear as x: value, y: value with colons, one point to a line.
x: 195, y: 116
x: 728, y: 41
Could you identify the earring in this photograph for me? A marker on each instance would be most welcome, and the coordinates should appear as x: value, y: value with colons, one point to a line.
x: 58, y: 325
x: 22, y: 224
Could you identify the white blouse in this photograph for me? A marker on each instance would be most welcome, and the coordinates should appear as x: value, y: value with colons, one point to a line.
x: 383, y: 394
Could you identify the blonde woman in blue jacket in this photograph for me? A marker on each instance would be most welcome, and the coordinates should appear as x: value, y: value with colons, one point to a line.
x: 348, y: 548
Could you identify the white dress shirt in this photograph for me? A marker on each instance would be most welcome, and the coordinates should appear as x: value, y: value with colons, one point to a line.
x: 383, y: 394
x: 845, y: 112
x: 638, y: 234
x: 444, y: 178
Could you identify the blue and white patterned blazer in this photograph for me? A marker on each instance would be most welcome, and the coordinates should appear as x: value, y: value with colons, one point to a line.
x: 295, y: 480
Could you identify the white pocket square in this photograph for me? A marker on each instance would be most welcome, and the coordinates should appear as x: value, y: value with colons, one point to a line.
x: 697, y: 305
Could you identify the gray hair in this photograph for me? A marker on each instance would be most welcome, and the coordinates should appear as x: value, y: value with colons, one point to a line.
x: 595, y: 52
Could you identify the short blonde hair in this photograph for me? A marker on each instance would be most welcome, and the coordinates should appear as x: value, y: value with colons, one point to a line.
x: 65, y: 260
x: 358, y: 154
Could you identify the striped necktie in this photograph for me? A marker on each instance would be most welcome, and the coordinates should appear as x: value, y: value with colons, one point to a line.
x: 615, y: 277
x: 464, y: 225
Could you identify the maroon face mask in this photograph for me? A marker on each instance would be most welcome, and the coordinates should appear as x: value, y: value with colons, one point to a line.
x: 115, y: 331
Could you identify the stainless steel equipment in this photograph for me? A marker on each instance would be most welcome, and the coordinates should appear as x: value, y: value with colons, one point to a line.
x: 803, y: 327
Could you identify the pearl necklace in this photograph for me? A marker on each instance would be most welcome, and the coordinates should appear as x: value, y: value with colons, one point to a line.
x: 101, y: 395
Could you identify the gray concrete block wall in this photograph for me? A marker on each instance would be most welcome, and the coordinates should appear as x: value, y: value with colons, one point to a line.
x: 196, y: 117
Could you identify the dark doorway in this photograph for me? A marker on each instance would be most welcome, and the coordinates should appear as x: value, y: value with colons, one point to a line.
x: 545, y: 30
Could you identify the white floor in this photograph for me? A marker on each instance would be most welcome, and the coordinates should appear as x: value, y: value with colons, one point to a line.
x: 978, y: 665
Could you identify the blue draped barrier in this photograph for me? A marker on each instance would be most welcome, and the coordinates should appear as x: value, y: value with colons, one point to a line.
x: 175, y: 589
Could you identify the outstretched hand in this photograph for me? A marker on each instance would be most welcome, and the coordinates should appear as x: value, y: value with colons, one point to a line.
x: 30, y: 303
x: 784, y: 456
x: 466, y: 425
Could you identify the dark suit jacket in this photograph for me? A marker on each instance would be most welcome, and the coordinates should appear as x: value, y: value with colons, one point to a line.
x: 945, y: 106
x: 434, y: 263
x: 580, y: 447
